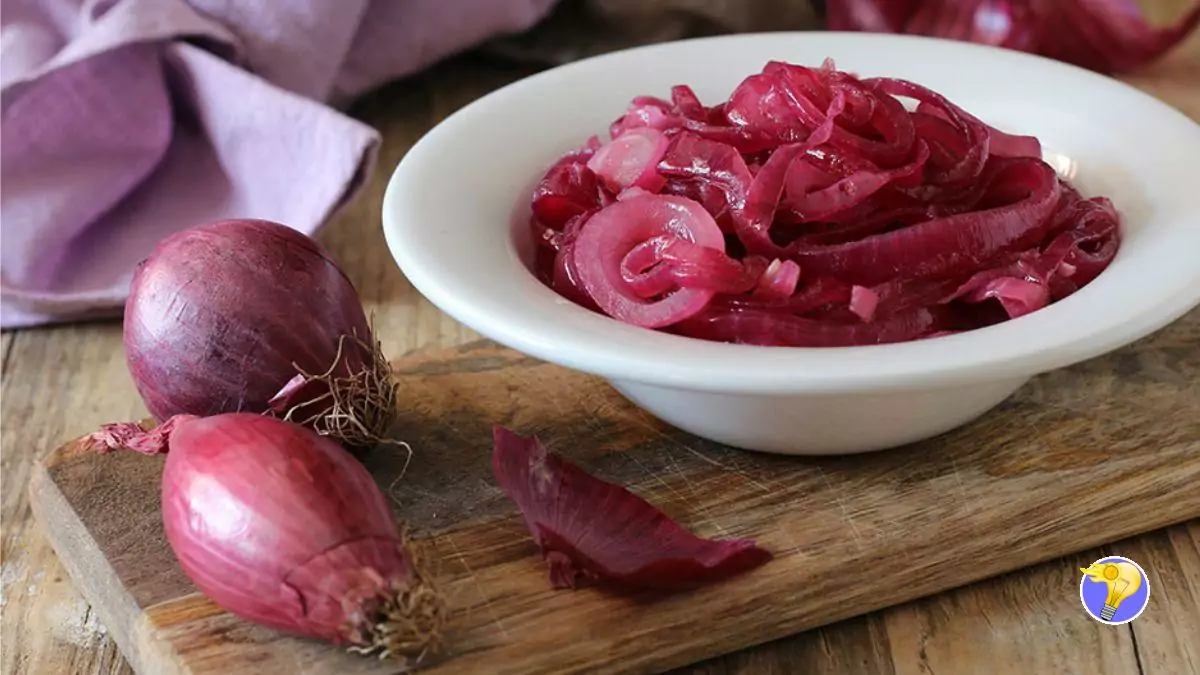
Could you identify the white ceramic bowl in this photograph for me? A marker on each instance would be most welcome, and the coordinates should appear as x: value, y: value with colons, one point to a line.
x: 456, y: 210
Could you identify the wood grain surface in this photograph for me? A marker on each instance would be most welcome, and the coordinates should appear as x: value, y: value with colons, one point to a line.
x: 61, y: 382
x: 1077, y: 458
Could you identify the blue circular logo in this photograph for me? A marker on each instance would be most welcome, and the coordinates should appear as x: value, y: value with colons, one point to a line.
x: 1114, y: 590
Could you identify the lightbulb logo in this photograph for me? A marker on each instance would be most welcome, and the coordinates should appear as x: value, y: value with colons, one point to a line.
x: 1114, y: 590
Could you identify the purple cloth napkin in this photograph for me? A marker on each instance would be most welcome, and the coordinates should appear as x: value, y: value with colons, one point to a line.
x: 126, y: 121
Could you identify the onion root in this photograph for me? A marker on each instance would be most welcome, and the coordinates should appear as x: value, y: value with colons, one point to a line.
x: 405, y: 622
x: 357, y: 409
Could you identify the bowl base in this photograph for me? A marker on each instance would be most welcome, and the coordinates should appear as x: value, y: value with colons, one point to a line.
x: 818, y: 424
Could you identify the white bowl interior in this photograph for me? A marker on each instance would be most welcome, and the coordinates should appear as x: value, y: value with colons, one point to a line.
x: 456, y: 210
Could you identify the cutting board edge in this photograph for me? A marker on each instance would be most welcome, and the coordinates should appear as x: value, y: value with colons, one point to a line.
x: 136, y: 633
x: 103, y: 590
x: 153, y: 647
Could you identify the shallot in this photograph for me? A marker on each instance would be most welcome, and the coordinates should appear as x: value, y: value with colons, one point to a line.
x: 253, y: 316
x: 285, y: 528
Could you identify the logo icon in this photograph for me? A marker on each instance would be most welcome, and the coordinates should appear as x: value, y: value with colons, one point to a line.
x: 1114, y: 590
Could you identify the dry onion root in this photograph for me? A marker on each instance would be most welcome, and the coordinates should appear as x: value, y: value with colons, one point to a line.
x: 357, y: 407
x: 407, y: 623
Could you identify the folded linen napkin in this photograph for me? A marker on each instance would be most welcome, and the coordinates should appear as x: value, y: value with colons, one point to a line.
x: 127, y: 120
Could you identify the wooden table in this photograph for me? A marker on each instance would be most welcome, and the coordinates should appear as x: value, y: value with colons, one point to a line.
x: 64, y: 381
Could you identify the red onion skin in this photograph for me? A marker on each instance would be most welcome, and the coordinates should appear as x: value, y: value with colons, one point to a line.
x: 219, y: 317
x: 278, y: 525
x: 591, y: 529
x: 1108, y: 36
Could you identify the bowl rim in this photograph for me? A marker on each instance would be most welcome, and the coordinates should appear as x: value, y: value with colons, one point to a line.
x: 523, y: 314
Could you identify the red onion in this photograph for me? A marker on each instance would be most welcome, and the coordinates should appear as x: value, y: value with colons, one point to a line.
x: 946, y: 245
x: 284, y: 528
x: 253, y: 316
x: 709, y: 172
x: 812, y: 209
x: 778, y: 280
x: 758, y: 327
x: 863, y: 302
x: 630, y: 160
x: 1017, y: 296
x: 568, y: 190
x: 659, y: 265
x: 608, y: 237
x: 1103, y: 35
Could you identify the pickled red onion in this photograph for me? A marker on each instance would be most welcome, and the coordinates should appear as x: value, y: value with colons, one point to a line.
x: 778, y: 280
x: 815, y: 209
x: 757, y: 327
x: 631, y: 160
x: 863, y: 302
x: 608, y: 237
x: 945, y: 245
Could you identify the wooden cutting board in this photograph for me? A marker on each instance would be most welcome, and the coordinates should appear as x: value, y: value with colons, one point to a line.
x: 1080, y: 457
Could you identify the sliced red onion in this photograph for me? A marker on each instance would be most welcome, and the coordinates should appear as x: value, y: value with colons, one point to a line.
x: 608, y: 237
x: 762, y: 107
x: 946, y: 245
x: 970, y: 165
x: 906, y: 224
x: 709, y: 172
x: 828, y: 201
x: 688, y: 104
x: 808, y: 297
x: 567, y: 190
x: 786, y: 103
x: 566, y: 279
x: 779, y: 280
x: 753, y: 222
x: 661, y: 264
x: 655, y: 113
x: 758, y: 327
x: 1017, y: 296
x: 1000, y: 143
x: 642, y: 114
x: 631, y: 192
x: 631, y: 160
x: 863, y: 302
x: 563, y: 273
